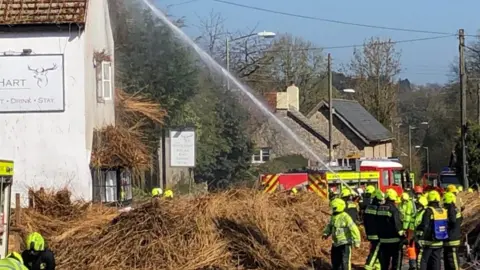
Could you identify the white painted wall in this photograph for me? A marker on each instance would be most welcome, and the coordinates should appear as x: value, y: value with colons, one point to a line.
x: 98, y: 37
x: 49, y: 148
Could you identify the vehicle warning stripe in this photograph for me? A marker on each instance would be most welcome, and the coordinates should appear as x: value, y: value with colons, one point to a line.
x: 318, y: 185
x: 266, y: 178
x: 272, y: 184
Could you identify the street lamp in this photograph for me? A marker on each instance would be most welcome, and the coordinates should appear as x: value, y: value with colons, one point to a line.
x: 410, y: 128
x: 428, y: 157
x: 263, y: 34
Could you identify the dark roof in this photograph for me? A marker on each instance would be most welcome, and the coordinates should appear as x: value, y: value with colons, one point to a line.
x: 306, y: 124
x: 358, y: 119
x: 23, y: 12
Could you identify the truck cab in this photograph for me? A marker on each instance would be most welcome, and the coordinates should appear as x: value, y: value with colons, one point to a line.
x: 448, y: 177
x: 392, y: 174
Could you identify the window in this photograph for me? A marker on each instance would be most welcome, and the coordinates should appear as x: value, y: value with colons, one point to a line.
x: 397, y: 177
x: 386, y: 178
x: 125, y: 186
x: 104, y: 185
x: 261, y: 156
x: 106, y: 87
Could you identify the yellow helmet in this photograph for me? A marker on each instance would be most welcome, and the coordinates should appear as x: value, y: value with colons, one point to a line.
x: 346, y: 192
x: 391, y: 195
x: 449, y: 198
x: 423, y: 201
x: 470, y: 190
x: 405, y: 196
x: 370, y: 189
x: 157, y: 192
x: 460, y: 188
x: 452, y: 188
x: 35, y: 242
x: 16, y: 256
x: 433, y: 196
x: 379, y: 195
x: 338, y: 205
x: 168, y: 194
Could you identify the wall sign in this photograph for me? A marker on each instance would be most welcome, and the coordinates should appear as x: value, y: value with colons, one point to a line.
x: 32, y: 83
x: 182, y: 148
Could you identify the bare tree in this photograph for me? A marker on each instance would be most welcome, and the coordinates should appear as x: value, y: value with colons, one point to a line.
x: 295, y: 59
x: 375, y: 68
x: 246, y: 50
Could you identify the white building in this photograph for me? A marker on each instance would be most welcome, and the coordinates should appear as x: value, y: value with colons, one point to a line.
x: 55, y: 87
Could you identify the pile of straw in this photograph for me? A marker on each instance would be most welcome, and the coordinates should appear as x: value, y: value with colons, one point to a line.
x: 239, y: 229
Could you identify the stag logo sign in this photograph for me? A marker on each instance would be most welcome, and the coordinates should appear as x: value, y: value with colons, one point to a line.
x: 40, y: 74
x: 32, y: 83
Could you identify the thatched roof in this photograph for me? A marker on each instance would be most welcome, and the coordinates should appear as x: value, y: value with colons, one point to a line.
x: 123, y: 145
x: 119, y: 147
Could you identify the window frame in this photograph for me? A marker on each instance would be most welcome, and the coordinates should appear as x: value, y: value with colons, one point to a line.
x: 258, y: 156
x: 104, y: 80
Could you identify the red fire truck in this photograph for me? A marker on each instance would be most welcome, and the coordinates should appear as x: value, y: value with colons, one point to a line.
x: 382, y: 173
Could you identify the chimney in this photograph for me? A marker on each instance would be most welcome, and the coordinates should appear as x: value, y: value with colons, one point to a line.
x: 271, y: 99
x: 293, y: 96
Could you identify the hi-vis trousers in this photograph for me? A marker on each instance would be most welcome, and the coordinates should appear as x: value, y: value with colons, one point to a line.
x: 372, y: 259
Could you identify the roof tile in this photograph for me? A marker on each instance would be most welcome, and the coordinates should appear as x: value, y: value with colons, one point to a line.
x: 17, y: 12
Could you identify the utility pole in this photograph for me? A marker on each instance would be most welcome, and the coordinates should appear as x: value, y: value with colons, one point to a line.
x: 463, y: 104
x: 410, y: 147
x: 478, y: 103
x: 330, y: 109
x: 227, y: 59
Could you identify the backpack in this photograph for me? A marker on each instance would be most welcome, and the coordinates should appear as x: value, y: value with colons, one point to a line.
x: 440, y: 224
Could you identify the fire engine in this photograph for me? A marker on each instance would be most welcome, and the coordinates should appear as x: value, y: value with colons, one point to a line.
x: 382, y: 173
x: 6, y: 179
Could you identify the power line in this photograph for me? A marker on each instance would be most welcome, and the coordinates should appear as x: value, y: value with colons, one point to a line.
x: 337, y: 21
x: 360, y: 45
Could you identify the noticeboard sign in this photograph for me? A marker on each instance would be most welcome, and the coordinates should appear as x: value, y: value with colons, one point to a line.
x: 182, y: 147
x: 32, y: 83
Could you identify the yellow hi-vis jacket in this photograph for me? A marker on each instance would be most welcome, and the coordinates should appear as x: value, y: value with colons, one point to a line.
x: 11, y: 264
x: 407, y: 215
x: 343, y: 230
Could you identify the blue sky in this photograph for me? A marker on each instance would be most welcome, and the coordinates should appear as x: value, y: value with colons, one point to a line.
x: 422, y: 61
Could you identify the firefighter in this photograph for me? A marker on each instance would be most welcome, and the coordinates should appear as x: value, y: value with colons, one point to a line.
x: 344, y: 234
x: 406, y: 209
x: 390, y: 232
x: 351, y: 206
x: 431, y: 232
x: 37, y: 256
x: 157, y: 192
x: 13, y: 261
x: 421, y: 204
x: 455, y: 191
x: 367, y: 199
x: 168, y: 194
x: 370, y: 224
x: 407, y: 215
x: 418, y: 191
x: 450, y: 246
